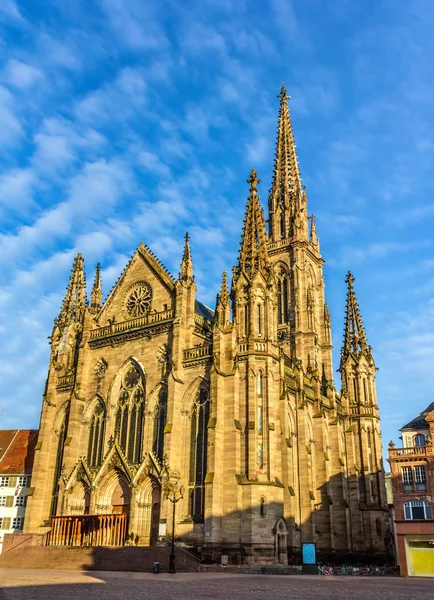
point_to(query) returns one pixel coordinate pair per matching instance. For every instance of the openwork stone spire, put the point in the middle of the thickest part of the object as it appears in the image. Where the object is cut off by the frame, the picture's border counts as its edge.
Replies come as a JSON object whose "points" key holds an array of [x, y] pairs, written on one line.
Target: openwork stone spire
{"points": [[186, 264], [286, 177], [96, 294], [224, 291], [75, 299], [253, 254], [355, 341]]}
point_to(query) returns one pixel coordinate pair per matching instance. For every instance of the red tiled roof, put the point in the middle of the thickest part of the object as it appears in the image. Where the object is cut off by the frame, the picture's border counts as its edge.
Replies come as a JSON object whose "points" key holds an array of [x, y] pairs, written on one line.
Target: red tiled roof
{"points": [[18, 450], [6, 437]]}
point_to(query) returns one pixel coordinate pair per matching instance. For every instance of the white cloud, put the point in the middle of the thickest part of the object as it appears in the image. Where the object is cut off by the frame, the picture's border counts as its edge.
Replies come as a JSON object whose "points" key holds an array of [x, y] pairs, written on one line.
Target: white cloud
{"points": [[11, 130], [152, 163], [21, 75], [135, 24], [10, 10]]}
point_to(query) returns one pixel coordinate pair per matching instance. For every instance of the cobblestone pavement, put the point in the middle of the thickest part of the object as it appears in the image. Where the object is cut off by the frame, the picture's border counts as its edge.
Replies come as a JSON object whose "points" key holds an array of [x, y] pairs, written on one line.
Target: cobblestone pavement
{"points": [[19, 584]]}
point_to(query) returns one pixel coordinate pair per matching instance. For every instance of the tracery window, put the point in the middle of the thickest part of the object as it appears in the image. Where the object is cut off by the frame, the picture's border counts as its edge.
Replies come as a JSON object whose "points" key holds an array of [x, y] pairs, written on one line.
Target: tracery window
{"points": [[130, 415], [282, 298], [159, 424], [198, 455], [96, 436]]}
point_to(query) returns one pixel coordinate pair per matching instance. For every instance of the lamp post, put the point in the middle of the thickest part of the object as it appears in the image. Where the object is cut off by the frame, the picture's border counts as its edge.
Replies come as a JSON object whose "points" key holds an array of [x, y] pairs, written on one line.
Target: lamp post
{"points": [[174, 494]]}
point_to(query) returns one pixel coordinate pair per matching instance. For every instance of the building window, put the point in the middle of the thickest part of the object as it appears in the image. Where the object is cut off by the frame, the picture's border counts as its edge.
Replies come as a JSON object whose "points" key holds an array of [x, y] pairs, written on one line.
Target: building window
{"points": [[282, 298], [23, 481], [262, 510], [130, 415], [96, 436], [4, 481], [419, 440], [259, 419], [260, 456], [417, 510], [198, 455], [5, 523], [2, 500], [17, 522], [259, 320], [20, 500], [407, 479], [160, 424], [260, 383], [420, 478], [282, 225]]}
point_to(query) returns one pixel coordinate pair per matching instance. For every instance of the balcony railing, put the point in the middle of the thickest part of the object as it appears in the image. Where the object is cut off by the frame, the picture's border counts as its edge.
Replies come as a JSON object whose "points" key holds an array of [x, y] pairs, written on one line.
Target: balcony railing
{"points": [[89, 530], [138, 323], [198, 352], [65, 381], [415, 451]]}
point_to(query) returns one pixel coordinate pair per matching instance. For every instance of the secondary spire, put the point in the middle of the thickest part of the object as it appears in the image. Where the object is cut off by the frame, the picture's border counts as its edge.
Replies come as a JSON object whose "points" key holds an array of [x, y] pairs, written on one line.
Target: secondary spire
{"points": [[186, 263], [96, 294], [355, 340], [75, 299], [253, 254]]}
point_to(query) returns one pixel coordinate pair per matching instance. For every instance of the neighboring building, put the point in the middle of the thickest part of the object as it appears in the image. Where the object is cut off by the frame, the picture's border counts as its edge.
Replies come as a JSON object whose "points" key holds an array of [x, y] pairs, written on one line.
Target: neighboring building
{"points": [[17, 448], [412, 469], [238, 405]]}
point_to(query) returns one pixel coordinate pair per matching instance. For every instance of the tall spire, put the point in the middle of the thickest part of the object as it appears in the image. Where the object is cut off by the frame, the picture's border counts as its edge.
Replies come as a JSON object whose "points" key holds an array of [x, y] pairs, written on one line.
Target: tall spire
{"points": [[287, 198], [355, 341], [186, 264], [75, 299], [286, 177], [96, 294], [253, 254]]}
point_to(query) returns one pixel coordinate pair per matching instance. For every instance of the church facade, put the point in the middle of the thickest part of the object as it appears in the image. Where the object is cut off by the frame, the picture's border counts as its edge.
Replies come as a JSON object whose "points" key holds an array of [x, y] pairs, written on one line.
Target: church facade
{"points": [[151, 392]]}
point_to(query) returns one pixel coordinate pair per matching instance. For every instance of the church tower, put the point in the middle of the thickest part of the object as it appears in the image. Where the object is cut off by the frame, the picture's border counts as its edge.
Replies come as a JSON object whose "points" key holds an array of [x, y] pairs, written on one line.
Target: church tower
{"points": [[302, 314], [363, 436]]}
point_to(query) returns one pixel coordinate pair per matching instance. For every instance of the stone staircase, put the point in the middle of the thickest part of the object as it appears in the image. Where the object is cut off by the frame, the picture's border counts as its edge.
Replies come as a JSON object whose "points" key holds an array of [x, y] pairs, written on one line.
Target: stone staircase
{"points": [[272, 569], [101, 558]]}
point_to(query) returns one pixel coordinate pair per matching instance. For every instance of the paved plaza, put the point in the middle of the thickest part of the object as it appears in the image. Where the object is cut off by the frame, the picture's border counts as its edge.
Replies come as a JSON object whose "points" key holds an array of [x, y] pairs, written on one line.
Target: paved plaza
{"points": [[19, 584]]}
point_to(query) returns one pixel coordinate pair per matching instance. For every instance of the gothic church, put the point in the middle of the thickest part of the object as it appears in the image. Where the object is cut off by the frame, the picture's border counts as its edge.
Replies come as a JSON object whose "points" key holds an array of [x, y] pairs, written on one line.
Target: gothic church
{"points": [[152, 391]]}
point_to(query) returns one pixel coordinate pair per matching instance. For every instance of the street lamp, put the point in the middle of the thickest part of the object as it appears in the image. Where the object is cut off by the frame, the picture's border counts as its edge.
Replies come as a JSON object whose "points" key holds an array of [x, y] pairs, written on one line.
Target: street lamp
{"points": [[174, 494]]}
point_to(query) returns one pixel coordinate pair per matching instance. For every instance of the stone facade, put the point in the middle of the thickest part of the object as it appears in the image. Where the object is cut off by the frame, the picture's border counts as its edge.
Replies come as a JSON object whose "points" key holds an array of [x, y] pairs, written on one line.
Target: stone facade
{"points": [[237, 405]]}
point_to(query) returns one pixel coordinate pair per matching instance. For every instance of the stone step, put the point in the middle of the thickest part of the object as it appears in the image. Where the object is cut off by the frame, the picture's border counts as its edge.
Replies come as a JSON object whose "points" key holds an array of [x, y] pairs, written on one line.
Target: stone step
{"points": [[101, 558], [272, 569]]}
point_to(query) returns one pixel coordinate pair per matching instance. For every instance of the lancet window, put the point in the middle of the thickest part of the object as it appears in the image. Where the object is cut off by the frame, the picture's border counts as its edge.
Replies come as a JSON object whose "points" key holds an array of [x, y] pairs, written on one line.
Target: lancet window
{"points": [[198, 455], [130, 414], [59, 461], [159, 424], [96, 436], [282, 298]]}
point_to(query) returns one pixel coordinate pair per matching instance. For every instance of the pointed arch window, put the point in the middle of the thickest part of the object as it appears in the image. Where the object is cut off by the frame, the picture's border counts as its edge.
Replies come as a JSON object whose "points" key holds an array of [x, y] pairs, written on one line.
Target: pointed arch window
{"points": [[198, 455], [59, 461], [282, 225], [282, 298], [96, 436], [130, 412], [160, 424]]}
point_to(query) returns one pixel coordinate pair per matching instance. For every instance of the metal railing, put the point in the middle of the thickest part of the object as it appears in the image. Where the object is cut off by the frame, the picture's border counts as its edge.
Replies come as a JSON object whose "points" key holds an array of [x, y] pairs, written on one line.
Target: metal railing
{"points": [[89, 530]]}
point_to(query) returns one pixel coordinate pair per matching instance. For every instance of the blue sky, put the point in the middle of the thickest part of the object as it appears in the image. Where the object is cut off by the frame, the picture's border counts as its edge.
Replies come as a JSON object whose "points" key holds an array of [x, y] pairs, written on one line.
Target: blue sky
{"points": [[124, 121]]}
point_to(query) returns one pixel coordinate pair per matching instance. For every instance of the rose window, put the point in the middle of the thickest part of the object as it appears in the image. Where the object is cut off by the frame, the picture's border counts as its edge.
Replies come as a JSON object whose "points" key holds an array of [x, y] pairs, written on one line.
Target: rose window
{"points": [[138, 301]]}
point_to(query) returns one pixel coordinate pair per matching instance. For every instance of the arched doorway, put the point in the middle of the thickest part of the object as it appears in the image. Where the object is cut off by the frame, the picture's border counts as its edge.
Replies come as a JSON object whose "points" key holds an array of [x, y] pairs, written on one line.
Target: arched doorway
{"points": [[121, 498], [155, 515], [281, 542]]}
